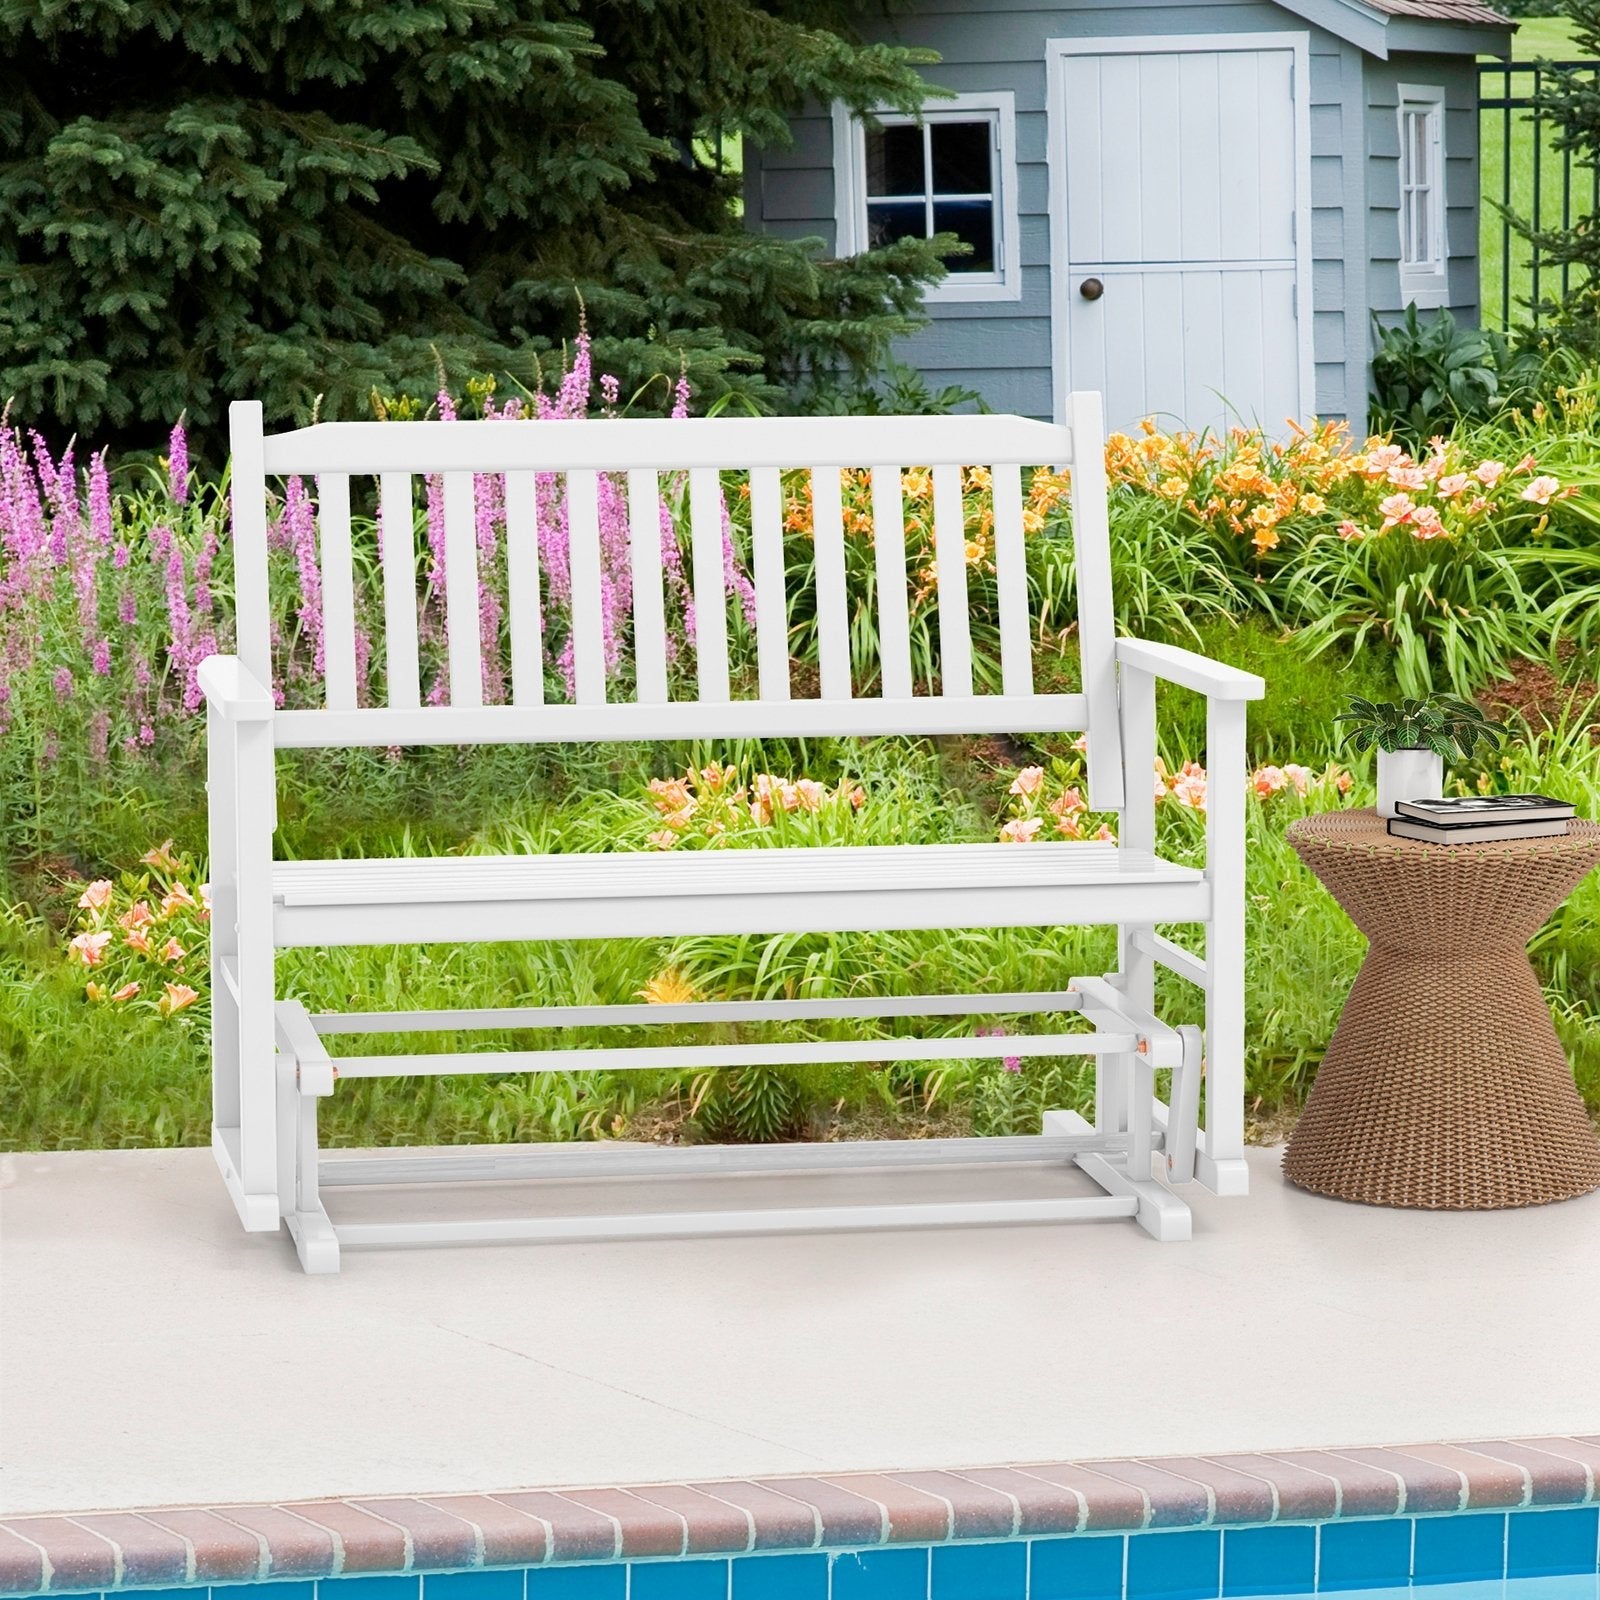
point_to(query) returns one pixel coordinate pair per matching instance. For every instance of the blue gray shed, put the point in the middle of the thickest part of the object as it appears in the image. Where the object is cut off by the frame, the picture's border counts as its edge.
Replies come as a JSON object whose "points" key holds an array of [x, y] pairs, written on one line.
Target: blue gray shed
{"points": [[1190, 207]]}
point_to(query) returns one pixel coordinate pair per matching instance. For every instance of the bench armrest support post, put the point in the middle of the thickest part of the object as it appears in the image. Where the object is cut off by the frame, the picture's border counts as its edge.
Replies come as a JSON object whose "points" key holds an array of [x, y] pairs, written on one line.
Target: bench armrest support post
{"points": [[241, 802], [1227, 690]]}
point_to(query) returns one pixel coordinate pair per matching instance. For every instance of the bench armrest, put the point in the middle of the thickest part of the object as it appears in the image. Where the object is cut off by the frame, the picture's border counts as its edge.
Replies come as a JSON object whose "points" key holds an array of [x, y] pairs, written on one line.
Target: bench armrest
{"points": [[233, 691], [1190, 670]]}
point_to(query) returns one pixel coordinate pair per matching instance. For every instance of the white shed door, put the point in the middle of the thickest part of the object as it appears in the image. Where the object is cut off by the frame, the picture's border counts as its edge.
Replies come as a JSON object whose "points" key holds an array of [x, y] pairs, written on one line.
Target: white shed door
{"points": [[1180, 203]]}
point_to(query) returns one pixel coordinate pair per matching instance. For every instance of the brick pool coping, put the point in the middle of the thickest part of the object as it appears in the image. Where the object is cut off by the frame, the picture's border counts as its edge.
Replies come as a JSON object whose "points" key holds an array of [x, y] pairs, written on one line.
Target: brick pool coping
{"points": [[170, 1546]]}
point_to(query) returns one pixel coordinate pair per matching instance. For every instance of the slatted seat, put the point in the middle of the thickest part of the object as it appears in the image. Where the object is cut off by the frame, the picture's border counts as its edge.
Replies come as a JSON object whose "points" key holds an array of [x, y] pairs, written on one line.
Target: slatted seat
{"points": [[615, 678], [727, 891]]}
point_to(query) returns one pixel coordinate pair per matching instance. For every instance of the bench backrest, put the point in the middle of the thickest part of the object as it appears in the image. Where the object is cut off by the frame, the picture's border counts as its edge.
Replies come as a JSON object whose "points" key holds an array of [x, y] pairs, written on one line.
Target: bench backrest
{"points": [[639, 460]]}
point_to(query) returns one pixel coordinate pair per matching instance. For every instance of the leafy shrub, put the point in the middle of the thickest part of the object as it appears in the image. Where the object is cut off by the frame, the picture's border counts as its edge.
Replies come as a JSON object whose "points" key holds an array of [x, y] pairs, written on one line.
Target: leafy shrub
{"points": [[1429, 376]]}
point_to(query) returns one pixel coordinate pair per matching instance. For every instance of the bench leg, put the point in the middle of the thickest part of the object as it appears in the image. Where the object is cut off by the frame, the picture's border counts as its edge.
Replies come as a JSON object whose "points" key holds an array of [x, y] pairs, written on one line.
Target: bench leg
{"points": [[1220, 1163], [307, 1219], [1161, 1213]]}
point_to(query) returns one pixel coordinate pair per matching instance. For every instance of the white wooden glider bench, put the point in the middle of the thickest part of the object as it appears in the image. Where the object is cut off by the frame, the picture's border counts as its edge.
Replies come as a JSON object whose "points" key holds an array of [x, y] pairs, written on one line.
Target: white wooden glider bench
{"points": [[271, 1063]]}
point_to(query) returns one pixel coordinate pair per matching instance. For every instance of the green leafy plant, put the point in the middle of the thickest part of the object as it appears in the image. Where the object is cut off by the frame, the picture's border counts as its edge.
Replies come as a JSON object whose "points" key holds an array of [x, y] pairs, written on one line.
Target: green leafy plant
{"points": [[1446, 726], [1427, 374]]}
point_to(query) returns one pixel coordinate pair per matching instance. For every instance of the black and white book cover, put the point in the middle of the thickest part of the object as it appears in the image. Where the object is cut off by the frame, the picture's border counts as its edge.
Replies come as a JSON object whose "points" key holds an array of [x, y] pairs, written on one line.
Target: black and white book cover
{"points": [[1479, 810]]}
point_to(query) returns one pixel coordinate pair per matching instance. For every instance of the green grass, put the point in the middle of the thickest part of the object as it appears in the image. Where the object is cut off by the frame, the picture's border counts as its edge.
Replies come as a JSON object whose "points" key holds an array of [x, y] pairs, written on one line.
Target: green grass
{"points": [[1549, 38]]}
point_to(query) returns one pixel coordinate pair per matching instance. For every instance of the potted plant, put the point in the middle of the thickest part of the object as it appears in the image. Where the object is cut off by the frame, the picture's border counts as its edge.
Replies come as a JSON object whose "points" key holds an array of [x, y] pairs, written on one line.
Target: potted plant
{"points": [[1413, 737]]}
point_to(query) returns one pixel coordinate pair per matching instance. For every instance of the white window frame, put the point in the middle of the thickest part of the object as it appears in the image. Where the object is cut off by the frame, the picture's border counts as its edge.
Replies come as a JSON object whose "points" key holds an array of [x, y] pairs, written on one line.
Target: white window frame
{"points": [[999, 107], [1424, 281]]}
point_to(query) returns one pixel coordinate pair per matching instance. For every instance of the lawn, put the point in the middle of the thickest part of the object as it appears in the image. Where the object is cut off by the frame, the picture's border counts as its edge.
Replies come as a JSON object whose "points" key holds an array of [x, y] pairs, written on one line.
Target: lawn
{"points": [[1536, 38], [1296, 560]]}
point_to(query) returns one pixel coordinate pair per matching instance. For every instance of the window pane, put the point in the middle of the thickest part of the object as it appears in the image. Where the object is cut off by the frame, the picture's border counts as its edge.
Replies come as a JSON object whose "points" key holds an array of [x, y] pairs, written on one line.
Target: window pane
{"points": [[961, 157], [972, 221], [1419, 149], [891, 220], [1422, 250], [894, 161]]}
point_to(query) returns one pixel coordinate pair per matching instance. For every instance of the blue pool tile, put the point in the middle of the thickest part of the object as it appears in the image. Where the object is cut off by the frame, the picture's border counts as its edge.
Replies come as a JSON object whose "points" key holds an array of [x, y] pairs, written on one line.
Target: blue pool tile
{"points": [[980, 1571], [1364, 1554], [780, 1577], [1544, 1543], [394, 1587], [605, 1581], [1085, 1568], [678, 1580], [881, 1575], [1088, 1568], [1281, 1560], [504, 1584], [1175, 1566], [270, 1591], [196, 1593], [1459, 1549]]}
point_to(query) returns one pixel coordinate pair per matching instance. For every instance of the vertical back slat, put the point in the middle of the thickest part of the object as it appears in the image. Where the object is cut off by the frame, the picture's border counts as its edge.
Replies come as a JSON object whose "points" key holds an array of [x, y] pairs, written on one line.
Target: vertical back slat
{"points": [[889, 546], [461, 590], [248, 493], [397, 548], [833, 620], [950, 557], [338, 590], [522, 588], [649, 613], [1091, 536], [772, 610], [588, 628], [1011, 576], [710, 594]]}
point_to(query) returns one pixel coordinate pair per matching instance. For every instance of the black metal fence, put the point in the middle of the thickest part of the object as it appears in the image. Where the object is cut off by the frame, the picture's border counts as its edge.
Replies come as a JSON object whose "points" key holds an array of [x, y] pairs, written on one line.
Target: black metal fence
{"points": [[1523, 171]]}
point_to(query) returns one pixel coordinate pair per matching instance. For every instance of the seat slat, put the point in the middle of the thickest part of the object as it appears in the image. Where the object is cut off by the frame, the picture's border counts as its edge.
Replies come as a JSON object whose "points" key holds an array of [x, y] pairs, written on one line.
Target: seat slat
{"points": [[461, 589], [397, 537], [852, 869], [833, 617], [649, 612], [772, 613], [338, 590], [583, 546], [950, 556], [1011, 570], [710, 584], [889, 546], [522, 588]]}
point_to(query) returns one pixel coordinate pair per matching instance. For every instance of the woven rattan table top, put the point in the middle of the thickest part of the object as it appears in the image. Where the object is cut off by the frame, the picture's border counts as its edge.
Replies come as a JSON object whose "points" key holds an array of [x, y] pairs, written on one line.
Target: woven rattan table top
{"points": [[1440, 899], [1365, 831]]}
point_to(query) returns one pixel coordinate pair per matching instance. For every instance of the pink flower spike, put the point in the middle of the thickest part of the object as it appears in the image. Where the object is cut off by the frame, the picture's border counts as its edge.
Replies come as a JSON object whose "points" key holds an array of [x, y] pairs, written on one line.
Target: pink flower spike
{"points": [[178, 464]]}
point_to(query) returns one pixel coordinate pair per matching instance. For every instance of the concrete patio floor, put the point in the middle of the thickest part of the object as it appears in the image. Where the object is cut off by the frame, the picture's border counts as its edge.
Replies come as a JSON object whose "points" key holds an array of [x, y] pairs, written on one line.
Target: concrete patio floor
{"points": [[151, 1353]]}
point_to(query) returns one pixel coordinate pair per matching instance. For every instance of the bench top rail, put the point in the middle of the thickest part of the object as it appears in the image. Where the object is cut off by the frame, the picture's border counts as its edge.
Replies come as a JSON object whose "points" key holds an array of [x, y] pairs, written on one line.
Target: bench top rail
{"points": [[625, 578]]}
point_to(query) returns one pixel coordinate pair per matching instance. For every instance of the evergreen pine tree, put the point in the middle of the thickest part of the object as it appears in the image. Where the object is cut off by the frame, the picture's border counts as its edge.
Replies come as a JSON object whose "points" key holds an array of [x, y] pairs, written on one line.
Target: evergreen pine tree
{"points": [[1570, 101], [306, 200]]}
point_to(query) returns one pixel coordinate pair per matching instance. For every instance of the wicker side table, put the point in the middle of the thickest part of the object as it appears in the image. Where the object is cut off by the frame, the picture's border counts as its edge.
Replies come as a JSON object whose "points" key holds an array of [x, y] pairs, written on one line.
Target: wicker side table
{"points": [[1444, 1085]]}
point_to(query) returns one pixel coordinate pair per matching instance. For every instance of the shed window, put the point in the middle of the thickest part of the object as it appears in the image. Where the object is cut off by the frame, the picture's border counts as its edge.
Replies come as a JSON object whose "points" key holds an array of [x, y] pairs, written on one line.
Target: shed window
{"points": [[1422, 196], [951, 173]]}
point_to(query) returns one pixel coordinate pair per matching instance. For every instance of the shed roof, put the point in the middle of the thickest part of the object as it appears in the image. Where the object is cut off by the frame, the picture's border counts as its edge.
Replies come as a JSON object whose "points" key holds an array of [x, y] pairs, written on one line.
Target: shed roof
{"points": [[1470, 12]]}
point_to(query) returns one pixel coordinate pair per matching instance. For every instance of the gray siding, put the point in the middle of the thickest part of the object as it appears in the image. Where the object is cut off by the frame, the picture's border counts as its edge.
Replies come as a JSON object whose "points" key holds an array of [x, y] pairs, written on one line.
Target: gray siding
{"points": [[1458, 77], [1003, 349]]}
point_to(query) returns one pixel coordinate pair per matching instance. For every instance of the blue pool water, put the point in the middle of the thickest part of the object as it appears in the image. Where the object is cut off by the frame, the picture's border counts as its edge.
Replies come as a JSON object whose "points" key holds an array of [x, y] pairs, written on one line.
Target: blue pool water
{"points": [[1520, 1555]]}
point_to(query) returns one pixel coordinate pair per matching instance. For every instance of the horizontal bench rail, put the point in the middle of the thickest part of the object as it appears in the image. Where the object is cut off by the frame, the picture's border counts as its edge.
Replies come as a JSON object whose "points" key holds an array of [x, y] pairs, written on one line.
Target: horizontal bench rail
{"points": [[381, 726], [371, 448], [720, 1224], [678, 1058], [631, 1158], [695, 1011]]}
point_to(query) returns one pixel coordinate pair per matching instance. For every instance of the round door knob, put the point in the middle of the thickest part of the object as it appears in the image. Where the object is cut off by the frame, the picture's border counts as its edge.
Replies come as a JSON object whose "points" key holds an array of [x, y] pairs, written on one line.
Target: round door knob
{"points": [[1091, 288]]}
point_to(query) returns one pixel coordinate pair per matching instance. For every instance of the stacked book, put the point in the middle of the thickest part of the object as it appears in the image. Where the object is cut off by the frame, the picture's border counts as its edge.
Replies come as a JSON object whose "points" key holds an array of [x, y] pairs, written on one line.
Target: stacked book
{"points": [[1480, 819]]}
